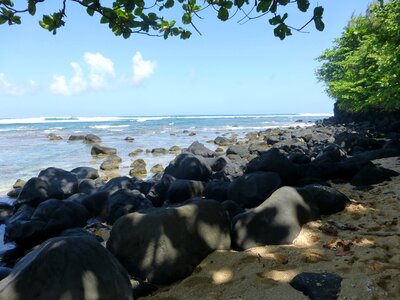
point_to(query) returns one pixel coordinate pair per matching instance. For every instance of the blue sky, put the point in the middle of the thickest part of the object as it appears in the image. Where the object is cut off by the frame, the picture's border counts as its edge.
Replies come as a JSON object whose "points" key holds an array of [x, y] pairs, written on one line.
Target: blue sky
{"points": [[85, 70]]}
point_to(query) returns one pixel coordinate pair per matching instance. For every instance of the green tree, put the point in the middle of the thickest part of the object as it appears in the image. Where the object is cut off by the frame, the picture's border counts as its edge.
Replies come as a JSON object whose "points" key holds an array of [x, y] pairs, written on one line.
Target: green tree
{"points": [[127, 17], [362, 70]]}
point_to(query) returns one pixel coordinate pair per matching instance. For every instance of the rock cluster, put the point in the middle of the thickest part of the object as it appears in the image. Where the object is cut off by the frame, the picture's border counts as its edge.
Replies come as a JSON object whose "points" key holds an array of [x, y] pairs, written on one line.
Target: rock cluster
{"points": [[260, 191]]}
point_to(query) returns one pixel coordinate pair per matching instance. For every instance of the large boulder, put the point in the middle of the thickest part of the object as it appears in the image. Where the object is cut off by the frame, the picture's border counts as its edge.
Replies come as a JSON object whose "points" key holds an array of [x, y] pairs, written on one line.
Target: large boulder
{"points": [[345, 169], [188, 166], [111, 163], [181, 190], [198, 148], [98, 150], [33, 193], [217, 163], [278, 220], [67, 268], [95, 203], [371, 174], [124, 202], [158, 192], [241, 150], [85, 173], [61, 183], [6, 211], [87, 186], [331, 153], [250, 190], [51, 183], [117, 183], [328, 200], [92, 139], [49, 219], [217, 190], [166, 244], [274, 161]]}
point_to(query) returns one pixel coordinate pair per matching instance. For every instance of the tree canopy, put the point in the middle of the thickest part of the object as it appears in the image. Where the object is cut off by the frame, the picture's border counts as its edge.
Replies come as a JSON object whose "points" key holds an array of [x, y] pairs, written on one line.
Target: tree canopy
{"points": [[362, 70], [127, 17]]}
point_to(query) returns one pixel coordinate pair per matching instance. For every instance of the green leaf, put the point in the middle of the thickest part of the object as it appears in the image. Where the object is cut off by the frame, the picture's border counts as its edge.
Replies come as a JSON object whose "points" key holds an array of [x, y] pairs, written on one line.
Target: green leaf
{"points": [[263, 5], [319, 24], [239, 3], [275, 20], [318, 12], [283, 2], [138, 11], [104, 20], [169, 3], [228, 4], [47, 20], [7, 2], [3, 20], [90, 11], [186, 18], [32, 7], [152, 16], [16, 20], [303, 5], [282, 31], [223, 14], [185, 35]]}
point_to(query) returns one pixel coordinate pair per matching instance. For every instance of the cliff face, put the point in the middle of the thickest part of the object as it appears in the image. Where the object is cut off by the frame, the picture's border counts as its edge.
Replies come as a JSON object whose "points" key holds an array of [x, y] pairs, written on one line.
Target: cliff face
{"points": [[384, 120]]}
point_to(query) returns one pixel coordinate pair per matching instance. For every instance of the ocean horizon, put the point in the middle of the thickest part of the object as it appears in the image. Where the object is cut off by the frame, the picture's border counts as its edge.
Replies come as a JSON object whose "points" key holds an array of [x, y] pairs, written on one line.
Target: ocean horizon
{"points": [[25, 149]]}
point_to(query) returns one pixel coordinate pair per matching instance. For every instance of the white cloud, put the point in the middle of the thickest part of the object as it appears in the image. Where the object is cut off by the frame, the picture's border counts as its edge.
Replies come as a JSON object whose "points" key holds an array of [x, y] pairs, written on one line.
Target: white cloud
{"points": [[142, 69], [13, 89], [97, 72], [75, 85], [100, 68]]}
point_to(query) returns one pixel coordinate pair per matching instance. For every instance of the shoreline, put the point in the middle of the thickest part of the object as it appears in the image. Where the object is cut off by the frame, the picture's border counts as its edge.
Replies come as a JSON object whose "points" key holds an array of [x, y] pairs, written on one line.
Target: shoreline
{"points": [[180, 141], [354, 242]]}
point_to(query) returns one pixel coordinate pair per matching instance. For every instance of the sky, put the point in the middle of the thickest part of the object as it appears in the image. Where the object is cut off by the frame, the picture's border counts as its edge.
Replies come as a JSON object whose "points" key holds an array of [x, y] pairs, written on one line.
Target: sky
{"points": [[84, 70]]}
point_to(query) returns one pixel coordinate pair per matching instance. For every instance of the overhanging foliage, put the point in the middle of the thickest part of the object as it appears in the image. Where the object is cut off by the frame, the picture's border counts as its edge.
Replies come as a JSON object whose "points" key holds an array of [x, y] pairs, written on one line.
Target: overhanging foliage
{"points": [[362, 70], [127, 17]]}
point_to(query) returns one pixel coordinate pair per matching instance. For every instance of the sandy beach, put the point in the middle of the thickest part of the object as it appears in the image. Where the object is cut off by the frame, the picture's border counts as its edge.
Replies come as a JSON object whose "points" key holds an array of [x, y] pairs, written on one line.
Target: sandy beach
{"points": [[365, 252]]}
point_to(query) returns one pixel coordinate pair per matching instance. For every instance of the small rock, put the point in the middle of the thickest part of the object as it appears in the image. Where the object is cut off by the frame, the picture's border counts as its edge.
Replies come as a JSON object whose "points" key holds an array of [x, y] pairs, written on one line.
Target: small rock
{"points": [[76, 138], [138, 168], [111, 163], [157, 151], [129, 139], [222, 141], [135, 152], [98, 150], [92, 139], [219, 150], [19, 184], [14, 193], [54, 137], [158, 168], [174, 149], [318, 285]]}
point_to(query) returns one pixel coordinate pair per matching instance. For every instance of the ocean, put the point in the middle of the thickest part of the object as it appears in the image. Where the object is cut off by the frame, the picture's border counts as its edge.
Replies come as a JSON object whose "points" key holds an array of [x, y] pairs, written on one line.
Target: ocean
{"points": [[25, 149]]}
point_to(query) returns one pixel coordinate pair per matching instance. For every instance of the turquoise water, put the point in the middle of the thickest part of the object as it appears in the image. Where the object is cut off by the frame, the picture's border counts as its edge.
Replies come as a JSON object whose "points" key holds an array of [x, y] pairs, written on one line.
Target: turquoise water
{"points": [[25, 148]]}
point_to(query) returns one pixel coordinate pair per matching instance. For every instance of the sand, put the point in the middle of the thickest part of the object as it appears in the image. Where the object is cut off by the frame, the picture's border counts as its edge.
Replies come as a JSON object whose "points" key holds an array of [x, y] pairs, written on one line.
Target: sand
{"points": [[365, 252]]}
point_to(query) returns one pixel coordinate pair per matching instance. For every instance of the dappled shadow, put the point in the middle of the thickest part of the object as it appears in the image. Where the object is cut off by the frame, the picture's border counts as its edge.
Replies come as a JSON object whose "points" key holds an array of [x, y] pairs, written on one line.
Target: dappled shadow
{"points": [[166, 244], [67, 268]]}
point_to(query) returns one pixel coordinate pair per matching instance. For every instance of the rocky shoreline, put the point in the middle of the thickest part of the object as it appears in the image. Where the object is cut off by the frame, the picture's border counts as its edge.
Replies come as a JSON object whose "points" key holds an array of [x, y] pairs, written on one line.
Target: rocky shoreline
{"points": [[254, 199]]}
